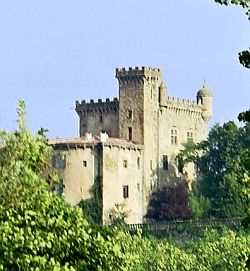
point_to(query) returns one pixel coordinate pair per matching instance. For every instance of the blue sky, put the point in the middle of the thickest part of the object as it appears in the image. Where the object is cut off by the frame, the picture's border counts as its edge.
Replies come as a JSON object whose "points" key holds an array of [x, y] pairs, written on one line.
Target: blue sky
{"points": [[53, 52]]}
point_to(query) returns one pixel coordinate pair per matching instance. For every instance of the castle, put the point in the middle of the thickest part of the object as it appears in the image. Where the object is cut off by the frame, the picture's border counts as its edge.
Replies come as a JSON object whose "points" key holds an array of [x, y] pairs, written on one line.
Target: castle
{"points": [[131, 143]]}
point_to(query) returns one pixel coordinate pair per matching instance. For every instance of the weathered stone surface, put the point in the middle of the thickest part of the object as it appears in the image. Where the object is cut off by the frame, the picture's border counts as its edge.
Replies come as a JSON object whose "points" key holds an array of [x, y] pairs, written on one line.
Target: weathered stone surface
{"points": [[147, 129]]}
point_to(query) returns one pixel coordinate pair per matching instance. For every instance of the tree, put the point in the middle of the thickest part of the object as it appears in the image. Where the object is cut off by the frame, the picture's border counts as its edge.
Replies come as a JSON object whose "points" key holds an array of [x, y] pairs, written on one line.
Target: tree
{"points": [[23, 161], [38, 229], [222, 173], [169, 203], [244, 56]]}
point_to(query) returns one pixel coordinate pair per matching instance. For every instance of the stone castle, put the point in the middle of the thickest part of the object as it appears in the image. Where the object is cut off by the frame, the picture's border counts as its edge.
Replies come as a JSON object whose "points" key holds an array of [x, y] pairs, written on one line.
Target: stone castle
{"points": [[131, 143]]}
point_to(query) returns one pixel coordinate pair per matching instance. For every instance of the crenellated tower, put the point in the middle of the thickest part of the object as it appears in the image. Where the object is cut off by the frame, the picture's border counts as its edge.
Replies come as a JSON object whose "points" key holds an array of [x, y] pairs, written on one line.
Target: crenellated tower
{"points": [[138, 100]]}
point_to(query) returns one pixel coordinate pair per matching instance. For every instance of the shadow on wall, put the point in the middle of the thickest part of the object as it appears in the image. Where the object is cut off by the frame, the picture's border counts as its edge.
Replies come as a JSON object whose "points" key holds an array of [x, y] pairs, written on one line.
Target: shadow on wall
{"points": [[169, 195]]}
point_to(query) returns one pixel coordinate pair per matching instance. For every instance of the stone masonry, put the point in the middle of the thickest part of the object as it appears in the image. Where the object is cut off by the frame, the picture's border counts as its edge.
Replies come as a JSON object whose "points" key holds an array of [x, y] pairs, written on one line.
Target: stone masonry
{"points": [[131, 143]]}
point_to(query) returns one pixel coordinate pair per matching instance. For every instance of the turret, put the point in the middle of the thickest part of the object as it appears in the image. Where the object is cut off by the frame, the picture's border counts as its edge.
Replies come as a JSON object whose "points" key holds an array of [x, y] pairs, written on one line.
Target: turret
{"points": [[204, 97], [162, 93]]}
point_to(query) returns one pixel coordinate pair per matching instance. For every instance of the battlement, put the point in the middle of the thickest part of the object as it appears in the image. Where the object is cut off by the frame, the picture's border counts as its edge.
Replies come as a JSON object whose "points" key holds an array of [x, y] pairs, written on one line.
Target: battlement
{"points": [[181, 101], [136, 72], [99, 104], [182, 104]]}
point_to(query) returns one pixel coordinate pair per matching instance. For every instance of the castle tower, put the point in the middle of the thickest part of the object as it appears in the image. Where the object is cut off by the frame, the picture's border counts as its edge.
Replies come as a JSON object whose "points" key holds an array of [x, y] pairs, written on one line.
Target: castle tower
{"points": [[204, 97], [138, 99], [139, 118]]}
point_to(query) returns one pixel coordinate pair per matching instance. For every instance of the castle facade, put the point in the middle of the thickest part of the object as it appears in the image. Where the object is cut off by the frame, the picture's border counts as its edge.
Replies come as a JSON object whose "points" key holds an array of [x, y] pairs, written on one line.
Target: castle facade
{"points": [[131, 143]]}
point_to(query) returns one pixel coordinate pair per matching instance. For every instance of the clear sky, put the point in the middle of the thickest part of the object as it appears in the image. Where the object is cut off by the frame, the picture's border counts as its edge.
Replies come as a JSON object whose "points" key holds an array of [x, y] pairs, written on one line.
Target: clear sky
{"points": [[53, 52]]}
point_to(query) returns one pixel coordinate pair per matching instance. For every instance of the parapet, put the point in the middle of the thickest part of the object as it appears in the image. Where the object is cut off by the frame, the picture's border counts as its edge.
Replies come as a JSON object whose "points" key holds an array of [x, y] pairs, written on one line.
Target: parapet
{"points": [[98, 105], [182, 104], [144, 72]]}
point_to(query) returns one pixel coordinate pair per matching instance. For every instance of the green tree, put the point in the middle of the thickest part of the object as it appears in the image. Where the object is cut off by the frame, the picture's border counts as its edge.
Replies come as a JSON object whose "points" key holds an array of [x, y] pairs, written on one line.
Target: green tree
{"points": [[23, 161], [38, 230], [222, 173]]}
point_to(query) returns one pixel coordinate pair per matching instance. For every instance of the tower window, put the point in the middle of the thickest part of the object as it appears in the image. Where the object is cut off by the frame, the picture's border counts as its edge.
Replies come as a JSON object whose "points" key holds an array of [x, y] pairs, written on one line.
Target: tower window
{"points": [[84, 163], [138, 163], [190, 135], [101, 118], [130, 133], [125, 163], [174, 138], [130, 114], [125, 192], [165, 162]]}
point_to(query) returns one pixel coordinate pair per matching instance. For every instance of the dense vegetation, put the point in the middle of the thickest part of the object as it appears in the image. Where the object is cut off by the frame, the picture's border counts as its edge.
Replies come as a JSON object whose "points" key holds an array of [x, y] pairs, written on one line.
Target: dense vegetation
{"points": [[222, 188]]}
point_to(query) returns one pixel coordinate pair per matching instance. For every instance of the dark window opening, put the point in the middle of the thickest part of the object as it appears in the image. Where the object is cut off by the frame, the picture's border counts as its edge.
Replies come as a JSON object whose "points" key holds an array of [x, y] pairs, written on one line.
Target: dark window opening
{"points": [[101, 118], [125, 163], [151, 164], [165, 162], [130, 114], [138, 163], [125, 192], [84, 163], [129, 133]]}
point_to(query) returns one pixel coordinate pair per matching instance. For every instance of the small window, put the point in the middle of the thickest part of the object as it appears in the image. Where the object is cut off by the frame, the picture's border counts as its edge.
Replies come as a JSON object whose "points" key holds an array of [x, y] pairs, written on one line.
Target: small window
{"points": [[84, 163], [138, 163], [165, 162], [138, 187], [190, 135], [130, 114], [174, 138], [129, 133], [125, 192], [125, 163], [101, 118]]}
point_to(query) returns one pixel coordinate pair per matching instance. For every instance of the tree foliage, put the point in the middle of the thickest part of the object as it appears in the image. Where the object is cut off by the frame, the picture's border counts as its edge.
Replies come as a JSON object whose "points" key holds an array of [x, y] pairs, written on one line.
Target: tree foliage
{"points": [[23, 160], [169, 203], [223, 172], [38, 230]]}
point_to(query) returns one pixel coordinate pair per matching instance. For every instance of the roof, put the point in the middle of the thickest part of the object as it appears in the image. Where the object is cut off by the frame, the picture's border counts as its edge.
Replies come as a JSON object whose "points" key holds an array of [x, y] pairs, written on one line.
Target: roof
{"points": [[204, 92], [80, 141]]}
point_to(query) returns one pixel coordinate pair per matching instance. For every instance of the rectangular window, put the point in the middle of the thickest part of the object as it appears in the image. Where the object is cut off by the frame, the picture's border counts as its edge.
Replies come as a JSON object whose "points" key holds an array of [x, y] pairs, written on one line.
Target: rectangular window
{"points": [[190, 135], [130, 114], [84, 163], [129, 133], [101, 118], [125, 192], [174, 139], [151, 164], [125, 163], [165, 162], [138, 163]]}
